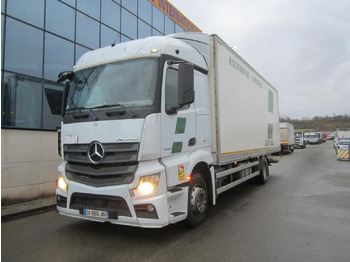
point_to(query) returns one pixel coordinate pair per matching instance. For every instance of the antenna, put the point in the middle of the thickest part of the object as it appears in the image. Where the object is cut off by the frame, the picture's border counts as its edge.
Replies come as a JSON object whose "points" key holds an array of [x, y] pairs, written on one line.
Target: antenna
{"points": [[113, 44]]}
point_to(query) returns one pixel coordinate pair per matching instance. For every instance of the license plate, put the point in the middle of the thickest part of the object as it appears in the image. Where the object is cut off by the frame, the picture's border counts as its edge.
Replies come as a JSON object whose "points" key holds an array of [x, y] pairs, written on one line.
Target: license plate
{"points": [[95, 213]]}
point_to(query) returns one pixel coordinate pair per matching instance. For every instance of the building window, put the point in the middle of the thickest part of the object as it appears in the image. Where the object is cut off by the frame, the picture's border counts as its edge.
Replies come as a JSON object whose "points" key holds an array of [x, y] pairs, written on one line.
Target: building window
{"points": [[2, 39], [87, 31], [169, 26], [69, 2], [24, 48], [144, 30], [60, 19], [156, 33], [131, 5], [54, 64], [145, 11], [129, 24], [109, 36], [31, 11], [123, 39], [41, 38], [158, 19], [79, 51], [111, 14], [21, 106], [3, 6], [178, 29], [90, 7]]}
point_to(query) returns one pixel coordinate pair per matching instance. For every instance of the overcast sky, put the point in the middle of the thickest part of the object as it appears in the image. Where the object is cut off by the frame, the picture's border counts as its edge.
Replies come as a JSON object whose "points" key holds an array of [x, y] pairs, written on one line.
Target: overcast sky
{"points": [[302, 47]]}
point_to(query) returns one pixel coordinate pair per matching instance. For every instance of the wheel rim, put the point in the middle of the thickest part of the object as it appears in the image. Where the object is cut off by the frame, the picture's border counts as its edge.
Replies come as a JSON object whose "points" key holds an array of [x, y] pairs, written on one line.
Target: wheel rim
{"points": [[198, 199]]}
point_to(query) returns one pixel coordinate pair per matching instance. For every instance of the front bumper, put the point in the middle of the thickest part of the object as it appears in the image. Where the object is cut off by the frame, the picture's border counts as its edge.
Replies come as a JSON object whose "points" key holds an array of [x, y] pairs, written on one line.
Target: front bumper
{"points": [[117, 201]]}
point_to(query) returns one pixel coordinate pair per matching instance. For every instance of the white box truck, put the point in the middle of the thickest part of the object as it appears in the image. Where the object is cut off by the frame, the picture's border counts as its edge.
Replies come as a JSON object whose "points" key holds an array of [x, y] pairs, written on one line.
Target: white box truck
{"points": [[314, 138], [287, 137], [299, 139], [155, 129], [339, 136]]}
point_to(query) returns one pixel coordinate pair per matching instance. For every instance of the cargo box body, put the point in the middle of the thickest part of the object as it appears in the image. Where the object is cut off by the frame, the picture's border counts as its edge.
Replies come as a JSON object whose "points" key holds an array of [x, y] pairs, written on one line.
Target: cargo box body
{"points": [[287, 133], [244, 108]]}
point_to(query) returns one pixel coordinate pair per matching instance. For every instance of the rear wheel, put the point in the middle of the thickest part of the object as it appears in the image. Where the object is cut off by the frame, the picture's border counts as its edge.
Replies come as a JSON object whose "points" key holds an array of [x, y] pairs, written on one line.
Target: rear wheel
{"points": [[197, 200], [263, 172]]}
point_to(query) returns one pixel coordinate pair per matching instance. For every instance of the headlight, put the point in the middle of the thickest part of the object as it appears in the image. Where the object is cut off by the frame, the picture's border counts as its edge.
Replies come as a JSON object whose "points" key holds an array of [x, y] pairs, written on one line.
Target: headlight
{"points": [[147, 185], [61, 183]]}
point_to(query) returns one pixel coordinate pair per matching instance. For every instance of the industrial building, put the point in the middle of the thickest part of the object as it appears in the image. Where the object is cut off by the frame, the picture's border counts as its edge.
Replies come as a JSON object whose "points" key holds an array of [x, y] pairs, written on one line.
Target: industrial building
{"points": [[39, 39]]}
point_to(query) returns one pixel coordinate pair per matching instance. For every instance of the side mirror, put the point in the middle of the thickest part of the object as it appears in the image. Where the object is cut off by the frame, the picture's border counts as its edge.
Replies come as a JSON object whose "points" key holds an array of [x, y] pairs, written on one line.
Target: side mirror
{"points": [[185, 95], [63, 76], [66, 75]]}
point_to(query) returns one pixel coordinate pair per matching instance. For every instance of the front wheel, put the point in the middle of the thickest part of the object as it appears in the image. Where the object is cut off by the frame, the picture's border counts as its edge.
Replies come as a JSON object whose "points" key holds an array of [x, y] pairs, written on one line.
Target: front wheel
{"points": [[197, 200]]}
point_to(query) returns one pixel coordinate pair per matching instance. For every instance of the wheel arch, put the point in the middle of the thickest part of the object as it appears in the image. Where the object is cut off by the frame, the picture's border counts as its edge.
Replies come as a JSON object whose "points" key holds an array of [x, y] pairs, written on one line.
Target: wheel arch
{"points": [[203, 169], [200, 163]]}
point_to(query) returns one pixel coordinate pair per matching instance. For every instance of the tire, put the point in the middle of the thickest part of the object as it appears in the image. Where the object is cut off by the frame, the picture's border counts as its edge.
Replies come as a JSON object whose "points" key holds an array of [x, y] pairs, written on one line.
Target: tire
{"points": [[197, 201], [263, 172]]}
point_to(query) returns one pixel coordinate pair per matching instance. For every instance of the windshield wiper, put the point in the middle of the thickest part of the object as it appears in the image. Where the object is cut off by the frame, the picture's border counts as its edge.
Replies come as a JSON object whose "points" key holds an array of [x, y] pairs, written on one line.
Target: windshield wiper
{"points": [[84, 108], [115, 105]]}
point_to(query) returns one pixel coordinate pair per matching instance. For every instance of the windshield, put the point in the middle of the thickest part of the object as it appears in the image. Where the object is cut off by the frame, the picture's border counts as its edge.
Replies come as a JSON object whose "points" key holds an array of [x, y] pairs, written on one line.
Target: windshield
{"points": [[130, 83]]}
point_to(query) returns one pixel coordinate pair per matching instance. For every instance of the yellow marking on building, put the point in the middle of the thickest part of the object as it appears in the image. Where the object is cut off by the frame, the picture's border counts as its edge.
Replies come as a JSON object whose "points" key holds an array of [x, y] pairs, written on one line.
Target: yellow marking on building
{"points": [[171, 11]]}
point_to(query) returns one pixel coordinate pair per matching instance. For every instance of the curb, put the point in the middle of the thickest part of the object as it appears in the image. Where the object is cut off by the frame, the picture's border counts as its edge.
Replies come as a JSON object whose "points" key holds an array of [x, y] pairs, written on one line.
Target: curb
{"points": [[22, 209]]}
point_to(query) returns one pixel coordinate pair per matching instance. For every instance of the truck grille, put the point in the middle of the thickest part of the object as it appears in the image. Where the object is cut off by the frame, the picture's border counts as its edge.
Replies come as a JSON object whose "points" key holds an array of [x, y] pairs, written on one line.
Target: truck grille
{"points": [[117, 167]]}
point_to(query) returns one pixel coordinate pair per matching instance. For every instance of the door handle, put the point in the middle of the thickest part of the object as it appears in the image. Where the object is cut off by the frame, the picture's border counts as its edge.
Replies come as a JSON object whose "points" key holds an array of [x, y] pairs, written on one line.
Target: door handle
{"points": [[192, 141]]}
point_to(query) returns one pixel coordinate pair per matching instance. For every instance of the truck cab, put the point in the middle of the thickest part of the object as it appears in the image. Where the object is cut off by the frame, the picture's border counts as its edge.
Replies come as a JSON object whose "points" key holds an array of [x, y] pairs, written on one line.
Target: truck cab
{"points": [[299, 139]]}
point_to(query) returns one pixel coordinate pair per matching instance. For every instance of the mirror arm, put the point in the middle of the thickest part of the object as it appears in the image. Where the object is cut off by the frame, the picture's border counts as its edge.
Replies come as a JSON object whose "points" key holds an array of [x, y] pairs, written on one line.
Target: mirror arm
{"points": [[65, 98]]}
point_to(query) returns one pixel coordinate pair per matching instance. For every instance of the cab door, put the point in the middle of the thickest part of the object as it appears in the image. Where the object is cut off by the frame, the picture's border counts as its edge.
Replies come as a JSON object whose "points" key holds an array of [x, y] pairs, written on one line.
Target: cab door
{"points": [[178, 127]]}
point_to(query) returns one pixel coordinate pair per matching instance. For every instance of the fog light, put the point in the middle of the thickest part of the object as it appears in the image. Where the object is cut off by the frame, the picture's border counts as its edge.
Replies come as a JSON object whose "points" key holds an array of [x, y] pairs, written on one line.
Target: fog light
{"points": [[61, 183], [150, 208], [147, 185]]}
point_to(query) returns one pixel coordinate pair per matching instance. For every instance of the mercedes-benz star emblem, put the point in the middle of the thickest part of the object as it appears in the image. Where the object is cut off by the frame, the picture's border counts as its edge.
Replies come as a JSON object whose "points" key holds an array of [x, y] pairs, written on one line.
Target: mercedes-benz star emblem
{"points": [[96, 152]]}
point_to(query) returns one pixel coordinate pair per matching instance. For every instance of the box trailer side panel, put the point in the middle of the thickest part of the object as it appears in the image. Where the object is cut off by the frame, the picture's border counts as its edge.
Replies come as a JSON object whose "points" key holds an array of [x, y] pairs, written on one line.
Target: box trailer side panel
{"points": [[245, 118]]}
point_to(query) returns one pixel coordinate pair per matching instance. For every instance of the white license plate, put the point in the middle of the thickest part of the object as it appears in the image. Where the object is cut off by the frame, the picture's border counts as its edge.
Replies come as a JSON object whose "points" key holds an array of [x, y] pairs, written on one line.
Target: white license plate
{"points": [[95, 213]]}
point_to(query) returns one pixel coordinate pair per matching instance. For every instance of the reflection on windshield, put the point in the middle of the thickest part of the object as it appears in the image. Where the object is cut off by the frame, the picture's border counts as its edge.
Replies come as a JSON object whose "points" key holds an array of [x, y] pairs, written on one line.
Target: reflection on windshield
{"points": [[129, 83]]}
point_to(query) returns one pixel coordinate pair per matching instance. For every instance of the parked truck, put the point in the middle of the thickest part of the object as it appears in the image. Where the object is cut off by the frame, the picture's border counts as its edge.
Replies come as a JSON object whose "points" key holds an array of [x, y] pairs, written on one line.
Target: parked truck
{"points": [[155, 129], [299, 139], [340, 136], [314, 138], [287, 137]]}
